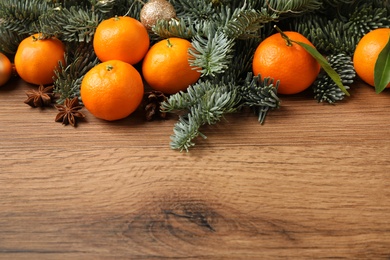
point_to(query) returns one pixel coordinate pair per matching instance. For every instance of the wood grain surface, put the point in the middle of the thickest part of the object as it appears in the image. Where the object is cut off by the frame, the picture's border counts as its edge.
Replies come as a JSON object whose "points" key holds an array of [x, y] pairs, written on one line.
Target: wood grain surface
{"points": [[313, 182]]}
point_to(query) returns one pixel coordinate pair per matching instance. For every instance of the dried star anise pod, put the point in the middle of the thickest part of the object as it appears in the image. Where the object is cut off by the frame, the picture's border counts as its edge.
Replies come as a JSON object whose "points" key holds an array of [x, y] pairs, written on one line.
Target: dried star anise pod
{"points": [[69, 112], [152, 104], [41, 97]]}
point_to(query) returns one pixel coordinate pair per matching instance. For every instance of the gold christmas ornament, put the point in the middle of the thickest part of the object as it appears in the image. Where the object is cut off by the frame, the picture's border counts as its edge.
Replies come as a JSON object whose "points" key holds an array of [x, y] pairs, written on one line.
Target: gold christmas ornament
{"points": [[155, 10]]}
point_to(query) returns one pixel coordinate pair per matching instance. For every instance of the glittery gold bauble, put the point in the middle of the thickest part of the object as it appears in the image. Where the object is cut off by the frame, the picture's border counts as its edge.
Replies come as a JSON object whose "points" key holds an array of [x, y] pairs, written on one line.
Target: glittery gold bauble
{"points": [[155, 10]]}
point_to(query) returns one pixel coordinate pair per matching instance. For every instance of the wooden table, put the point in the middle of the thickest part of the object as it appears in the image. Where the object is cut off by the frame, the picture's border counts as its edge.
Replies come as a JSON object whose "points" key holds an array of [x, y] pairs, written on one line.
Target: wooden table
{"points": [[312, 182]]}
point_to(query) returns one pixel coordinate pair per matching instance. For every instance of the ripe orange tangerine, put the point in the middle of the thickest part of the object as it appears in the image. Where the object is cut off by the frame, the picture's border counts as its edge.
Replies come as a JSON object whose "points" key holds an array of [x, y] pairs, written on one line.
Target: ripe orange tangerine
{"points": [[166, 67], [121, 38], [112, 90], [292, 65], [367, 52], [36, 59], [5, 69]]}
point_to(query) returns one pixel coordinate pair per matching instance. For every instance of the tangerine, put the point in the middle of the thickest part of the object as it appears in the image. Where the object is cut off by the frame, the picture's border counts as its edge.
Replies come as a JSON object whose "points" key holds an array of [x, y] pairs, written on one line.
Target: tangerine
{"points": [[290, 63], [112, 90], [5, 69], [121, 38], [367, 52], [166, 67], [37, 58]]}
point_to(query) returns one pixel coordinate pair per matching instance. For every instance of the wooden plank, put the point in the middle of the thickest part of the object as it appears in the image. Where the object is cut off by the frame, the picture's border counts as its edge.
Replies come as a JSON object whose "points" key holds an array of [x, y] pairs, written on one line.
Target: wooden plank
{"points": [[312, 182]]}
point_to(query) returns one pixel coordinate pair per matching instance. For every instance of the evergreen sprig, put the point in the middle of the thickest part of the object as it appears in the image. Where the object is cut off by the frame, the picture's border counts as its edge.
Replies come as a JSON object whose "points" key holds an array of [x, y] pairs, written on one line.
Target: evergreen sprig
{"points": [[201, 9], [204, 103], [260, 95], [182, 28], [9, 41], [247, 24], [67, 3], [21, 16], [71, 25], [325, 90], [293, 7], [336, 3], [366, 18], [212, 55], [79, 60], [104, 7], [185, 131], [242, 61], [341, 34], [328, 36]]}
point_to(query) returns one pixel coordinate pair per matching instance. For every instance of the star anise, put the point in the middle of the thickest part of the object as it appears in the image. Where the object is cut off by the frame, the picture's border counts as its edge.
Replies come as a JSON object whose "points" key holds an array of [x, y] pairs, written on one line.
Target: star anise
{"points": [[69, 112], [41, 97], [152, 105]]}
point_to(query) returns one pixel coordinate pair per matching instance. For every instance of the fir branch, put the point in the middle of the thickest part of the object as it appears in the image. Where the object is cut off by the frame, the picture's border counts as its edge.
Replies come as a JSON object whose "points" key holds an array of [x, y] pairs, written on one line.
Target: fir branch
{"points": [[71, 25], [240, 22], [247, 23], [182, 28], [293, 7], [328, 36], [67, 3], [184, 100], [185, 131], [366, 18], [213, 54], [102, 6], [9, 41], [260, 95], [195, 10], [252, 4], [205, 103], [215, 104], [234, 4], [336, 3], [342, 9], [325, 90], [21, 16], [337, 35], [80, 59], [241, 63]]}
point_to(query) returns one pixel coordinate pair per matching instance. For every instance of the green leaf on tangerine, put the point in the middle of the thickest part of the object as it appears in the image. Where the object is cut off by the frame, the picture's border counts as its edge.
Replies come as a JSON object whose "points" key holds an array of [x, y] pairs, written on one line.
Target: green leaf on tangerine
{"points": [[382, 69], [324, 64]]}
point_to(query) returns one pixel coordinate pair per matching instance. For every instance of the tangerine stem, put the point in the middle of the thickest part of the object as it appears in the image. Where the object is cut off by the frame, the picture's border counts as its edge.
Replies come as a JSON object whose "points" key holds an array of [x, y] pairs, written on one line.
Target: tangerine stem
{"points": [[169, 43], [40, 37], [109, 67], [284, 36]]}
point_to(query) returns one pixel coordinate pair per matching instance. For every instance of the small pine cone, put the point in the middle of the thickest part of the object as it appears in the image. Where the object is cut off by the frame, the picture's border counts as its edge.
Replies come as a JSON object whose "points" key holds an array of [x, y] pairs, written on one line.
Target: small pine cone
{"points": [[324, 87], [152, 105]]}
